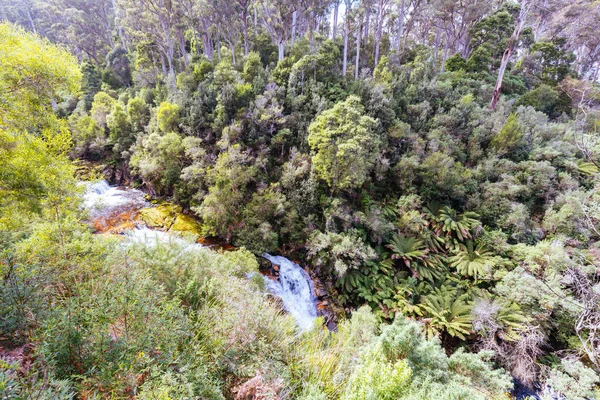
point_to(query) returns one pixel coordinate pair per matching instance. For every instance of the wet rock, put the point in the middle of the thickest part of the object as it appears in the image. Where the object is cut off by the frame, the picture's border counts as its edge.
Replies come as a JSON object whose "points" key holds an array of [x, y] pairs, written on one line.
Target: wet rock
{"points": [[186, 224], [160, 217], [320, 290]]}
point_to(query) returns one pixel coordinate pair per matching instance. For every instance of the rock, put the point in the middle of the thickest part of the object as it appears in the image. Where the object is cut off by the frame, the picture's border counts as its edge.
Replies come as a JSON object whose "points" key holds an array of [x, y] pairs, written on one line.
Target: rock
{"points": [[275, 267], [186, 224], [161, 217], [320, 290]]}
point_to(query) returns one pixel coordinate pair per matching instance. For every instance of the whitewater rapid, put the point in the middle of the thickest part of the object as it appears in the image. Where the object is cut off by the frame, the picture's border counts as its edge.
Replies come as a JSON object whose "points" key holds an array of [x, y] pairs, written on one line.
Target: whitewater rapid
{"points": [[295, 290]]}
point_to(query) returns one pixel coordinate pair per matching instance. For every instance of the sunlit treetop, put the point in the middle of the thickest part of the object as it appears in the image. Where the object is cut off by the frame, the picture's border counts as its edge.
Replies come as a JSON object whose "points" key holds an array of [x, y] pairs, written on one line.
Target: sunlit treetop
{"points": [[33, 74]]}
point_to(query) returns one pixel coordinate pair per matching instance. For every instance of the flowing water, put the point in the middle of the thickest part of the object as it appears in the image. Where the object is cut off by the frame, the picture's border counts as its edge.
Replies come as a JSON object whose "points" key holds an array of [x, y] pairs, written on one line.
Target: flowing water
{"points": [[295, 290], [111, 206]]}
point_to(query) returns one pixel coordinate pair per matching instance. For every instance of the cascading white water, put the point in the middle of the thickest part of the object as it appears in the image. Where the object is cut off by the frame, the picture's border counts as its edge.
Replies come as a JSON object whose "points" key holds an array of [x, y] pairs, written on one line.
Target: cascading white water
{"points": [[295, 290], [101, 198]]}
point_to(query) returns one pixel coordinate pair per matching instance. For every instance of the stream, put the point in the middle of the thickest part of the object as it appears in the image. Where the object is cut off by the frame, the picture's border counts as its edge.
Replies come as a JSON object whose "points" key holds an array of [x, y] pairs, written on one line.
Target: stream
{"points": [[112, 207]]}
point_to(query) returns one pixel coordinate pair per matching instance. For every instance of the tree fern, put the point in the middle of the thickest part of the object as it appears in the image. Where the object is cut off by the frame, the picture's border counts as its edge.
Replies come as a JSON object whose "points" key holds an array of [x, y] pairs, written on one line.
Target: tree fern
{"points": [[446, 311], [472, 261]]}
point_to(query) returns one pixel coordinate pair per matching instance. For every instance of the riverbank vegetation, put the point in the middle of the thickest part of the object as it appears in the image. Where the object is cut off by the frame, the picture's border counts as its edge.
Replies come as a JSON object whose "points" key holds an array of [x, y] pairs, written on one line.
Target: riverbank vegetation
{"points": [[441, 178]]}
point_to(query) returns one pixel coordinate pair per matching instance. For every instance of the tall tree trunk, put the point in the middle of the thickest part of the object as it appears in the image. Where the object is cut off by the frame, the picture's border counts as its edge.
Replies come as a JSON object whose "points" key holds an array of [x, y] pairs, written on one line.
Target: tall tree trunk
{"points": [[346, 34], [358, 37], [281, 49], [379, 32], [445, 54], [311, 37], [163, 65], [401, 25], [510, 48], [367, 21], [294, 22], [255, 21], [118, 23], [233, 59], [29, 17], [219, 44], [208, 48], [336, 8], [245, 22], [436, 48], [184, 54]]}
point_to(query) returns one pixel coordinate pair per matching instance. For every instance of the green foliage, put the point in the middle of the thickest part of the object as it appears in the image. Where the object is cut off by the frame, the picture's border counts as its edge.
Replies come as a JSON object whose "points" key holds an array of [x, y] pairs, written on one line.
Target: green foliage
{"points": [[344, 144], [447, 311], [476, 262], [33, 72], [509, 141], [158, 161], [167, 116], [121, 132], [544, 99], [228, 193], [101, 108], [456, 63], [377, 378]]}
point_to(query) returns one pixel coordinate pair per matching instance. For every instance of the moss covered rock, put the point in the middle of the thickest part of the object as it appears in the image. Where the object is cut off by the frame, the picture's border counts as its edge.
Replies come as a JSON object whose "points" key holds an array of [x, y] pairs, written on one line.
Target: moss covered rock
{"points": [[169, 217], [186, 224], [161, 217]]}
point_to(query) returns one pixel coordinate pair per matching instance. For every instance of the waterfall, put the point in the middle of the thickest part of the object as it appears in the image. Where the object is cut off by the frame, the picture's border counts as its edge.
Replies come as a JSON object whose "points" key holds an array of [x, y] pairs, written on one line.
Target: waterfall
{"points": [[295, 289], [101, 199]]}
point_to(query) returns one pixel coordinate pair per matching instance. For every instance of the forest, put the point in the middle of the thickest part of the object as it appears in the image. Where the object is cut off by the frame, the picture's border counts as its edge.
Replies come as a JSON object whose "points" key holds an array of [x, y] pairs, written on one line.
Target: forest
{"points": [[433, 164]]}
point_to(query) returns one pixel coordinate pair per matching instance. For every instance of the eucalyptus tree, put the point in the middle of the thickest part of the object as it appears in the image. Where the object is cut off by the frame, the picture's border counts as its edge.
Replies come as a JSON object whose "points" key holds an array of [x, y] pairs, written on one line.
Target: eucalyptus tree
{"points": [[457, 18], [577, 22], [526, 6], [277, 19], [157, 21]]}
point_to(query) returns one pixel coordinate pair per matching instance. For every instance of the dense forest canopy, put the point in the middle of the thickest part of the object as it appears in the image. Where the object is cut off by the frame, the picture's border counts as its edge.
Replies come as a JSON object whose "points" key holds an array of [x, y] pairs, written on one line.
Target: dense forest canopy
{"points": [[435, 163]]}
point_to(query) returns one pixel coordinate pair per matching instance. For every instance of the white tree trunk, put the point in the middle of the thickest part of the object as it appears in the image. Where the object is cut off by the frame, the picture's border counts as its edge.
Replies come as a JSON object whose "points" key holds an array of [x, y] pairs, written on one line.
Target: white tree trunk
{"points": [[294, 21], [281, 50], [346, 34], [335, 18], [510, 48], [357, 66]]}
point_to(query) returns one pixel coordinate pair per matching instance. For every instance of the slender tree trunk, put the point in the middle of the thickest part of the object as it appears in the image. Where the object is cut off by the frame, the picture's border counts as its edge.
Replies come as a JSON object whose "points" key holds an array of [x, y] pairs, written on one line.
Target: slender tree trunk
{"points": [[401, 25], [294, 21], [208, 49], [336, 8], [219, 43], [245, 22], [255, 21], [184, 53], [311, 38], [379, 32], [196, 47], [118, 23], [281, 49], [445, 54], [233, 59], [164, 65], [346, 34], [367, 21], [358, 37], [29, 17], [510, 48], [436, 48]]}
